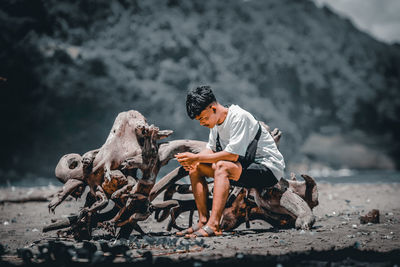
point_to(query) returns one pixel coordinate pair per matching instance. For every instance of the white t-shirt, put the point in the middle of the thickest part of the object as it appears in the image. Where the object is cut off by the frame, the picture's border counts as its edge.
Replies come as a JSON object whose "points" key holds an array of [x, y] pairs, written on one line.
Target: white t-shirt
{"points": [[238, 130]]}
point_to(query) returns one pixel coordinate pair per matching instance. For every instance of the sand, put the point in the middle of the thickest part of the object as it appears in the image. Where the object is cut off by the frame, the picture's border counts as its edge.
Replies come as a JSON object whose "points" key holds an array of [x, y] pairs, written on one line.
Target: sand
{"points": [[337, 226]]}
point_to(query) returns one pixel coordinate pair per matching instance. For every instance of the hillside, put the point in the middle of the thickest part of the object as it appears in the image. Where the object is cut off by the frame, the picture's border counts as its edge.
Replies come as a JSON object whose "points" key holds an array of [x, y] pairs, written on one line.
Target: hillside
{"points": [[71, 66]]}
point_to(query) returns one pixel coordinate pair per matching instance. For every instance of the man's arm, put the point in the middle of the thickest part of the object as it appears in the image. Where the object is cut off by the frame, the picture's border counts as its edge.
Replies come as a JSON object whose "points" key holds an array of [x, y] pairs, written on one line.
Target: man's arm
{"points": [[187, 159], [215, 157]]}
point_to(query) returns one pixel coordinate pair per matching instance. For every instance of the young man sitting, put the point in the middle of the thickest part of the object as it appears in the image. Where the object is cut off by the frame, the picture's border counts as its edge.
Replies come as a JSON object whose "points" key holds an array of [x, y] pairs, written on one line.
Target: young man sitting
{"points": [[239, 151]]}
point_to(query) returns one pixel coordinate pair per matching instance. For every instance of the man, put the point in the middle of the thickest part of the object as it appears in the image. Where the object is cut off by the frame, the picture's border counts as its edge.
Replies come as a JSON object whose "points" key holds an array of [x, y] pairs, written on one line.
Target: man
{"points": [[239, 151]]}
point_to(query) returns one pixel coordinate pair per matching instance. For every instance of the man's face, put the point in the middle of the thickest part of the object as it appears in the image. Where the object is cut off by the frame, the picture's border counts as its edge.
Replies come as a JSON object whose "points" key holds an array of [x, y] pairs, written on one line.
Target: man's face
{"points": [[208, 117]]}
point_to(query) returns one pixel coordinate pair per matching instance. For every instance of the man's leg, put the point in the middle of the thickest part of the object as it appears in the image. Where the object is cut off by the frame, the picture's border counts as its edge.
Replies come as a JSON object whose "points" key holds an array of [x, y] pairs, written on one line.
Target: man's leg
{"points": [[200, 193], [223, 171], [200, 189]]}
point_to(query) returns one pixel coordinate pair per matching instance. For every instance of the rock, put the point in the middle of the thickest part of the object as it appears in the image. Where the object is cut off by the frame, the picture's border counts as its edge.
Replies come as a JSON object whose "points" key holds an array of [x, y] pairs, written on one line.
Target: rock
{"points": [[239, 256], [87, 250], [25, 254], [370, 217]]}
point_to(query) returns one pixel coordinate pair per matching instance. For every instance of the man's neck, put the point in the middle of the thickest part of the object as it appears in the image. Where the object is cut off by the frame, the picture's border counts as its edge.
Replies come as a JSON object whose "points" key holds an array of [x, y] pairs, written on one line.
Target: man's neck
{"points": [[223, 111]]}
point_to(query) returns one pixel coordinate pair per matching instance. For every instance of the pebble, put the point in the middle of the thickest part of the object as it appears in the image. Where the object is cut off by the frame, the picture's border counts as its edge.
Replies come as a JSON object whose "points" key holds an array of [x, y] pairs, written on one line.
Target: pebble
{"points": [[239, 256], [6, 223], [354, 226], [302, 232], [35, 230], [351, 236]]}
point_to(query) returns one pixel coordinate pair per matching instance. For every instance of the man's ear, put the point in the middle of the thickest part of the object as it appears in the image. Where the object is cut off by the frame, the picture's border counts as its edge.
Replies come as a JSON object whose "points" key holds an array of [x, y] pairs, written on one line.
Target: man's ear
{"points": [[214, 108]]}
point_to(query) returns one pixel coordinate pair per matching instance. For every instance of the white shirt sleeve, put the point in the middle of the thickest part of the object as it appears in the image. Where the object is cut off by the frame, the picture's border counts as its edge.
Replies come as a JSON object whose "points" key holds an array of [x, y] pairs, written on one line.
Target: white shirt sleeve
{"points": [[212, 141], [239, 138]]}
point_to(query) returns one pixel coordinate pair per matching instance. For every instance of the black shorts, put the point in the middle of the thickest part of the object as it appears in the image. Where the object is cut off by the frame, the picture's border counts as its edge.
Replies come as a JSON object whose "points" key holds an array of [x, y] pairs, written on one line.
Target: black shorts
{"points": [[255, 175]]}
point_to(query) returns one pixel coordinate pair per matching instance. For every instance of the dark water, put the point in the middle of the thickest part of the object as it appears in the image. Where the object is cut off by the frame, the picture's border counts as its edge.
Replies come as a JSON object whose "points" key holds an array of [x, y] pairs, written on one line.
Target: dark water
{"points": [[339, 176]]}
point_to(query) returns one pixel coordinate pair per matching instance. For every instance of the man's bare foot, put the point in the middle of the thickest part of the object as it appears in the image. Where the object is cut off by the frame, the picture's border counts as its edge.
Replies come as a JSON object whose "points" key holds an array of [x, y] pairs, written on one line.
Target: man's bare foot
{"points": [[205, 231], [190, 230]]}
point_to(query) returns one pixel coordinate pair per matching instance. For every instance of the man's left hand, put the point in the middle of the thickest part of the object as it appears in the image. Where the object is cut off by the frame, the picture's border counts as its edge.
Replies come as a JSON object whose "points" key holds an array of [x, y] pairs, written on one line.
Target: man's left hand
{"points": [[187, 160]]}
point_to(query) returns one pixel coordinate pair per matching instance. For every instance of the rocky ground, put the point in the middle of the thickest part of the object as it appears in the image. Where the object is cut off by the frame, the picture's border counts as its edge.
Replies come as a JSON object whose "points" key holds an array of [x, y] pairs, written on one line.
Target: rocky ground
{"points": [[337, 229]]}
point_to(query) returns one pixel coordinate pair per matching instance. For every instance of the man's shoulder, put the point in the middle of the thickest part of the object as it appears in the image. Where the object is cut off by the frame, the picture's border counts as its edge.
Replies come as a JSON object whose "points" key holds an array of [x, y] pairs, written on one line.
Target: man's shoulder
{"points": [[240, 114]]}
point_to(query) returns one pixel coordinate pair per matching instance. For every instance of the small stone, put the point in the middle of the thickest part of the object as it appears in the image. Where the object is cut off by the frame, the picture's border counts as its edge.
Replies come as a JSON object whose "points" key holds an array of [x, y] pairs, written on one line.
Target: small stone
{"points": [[351, 236], [354, 226], [370, 217], [302, 232], [35, 230], [6, 223], [390, 213], [239, 256]]}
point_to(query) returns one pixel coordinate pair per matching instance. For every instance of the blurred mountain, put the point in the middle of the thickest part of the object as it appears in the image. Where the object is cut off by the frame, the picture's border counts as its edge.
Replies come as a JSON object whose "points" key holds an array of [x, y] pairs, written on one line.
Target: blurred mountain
{"points": [[68, 67]]}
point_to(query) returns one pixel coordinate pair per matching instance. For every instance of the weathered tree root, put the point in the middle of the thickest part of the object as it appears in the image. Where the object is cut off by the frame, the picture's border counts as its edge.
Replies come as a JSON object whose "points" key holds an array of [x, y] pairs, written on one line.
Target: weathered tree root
{"points": [[111, 173]]}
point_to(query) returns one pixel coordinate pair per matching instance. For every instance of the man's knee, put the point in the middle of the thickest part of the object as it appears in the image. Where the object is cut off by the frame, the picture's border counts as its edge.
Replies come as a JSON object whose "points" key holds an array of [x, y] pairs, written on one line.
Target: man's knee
{"points": [[199, 170], [225, 168], [221, 166]]}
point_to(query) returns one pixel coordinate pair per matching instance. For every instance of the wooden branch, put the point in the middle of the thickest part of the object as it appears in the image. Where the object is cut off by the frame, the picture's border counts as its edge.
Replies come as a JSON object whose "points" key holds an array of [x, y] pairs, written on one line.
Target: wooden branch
{"points": [[69, 167], [167, 151], [166, 181]]}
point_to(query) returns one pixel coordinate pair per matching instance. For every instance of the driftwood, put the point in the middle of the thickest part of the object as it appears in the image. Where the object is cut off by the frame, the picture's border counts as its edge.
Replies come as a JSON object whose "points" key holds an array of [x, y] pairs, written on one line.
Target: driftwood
{"points": [[112, 172]]}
